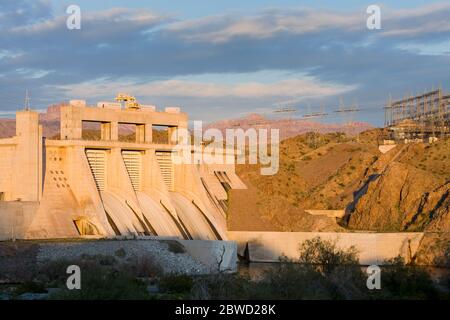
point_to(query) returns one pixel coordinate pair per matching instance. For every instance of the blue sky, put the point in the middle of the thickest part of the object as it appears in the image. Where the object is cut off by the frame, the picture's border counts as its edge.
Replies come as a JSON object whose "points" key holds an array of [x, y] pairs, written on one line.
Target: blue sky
{"points": [[224, 59]]}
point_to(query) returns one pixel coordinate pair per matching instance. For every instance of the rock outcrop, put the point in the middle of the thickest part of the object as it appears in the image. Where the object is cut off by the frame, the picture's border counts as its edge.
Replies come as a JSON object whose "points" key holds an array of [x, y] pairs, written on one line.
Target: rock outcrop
{"points": [[434, 250], [400, 199], [433, 211]]}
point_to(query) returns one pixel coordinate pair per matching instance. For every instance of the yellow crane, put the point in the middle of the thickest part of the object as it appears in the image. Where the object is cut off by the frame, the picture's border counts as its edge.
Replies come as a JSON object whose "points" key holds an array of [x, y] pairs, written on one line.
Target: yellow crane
{"points": [[129, 101]]}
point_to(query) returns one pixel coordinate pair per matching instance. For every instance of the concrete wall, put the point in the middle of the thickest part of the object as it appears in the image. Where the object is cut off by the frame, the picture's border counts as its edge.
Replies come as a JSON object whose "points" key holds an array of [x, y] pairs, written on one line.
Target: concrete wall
{"points": [[386, 148], [119, 184], [327, 213], [85, 190], [73, 116], [154, 192], [373, 248], [28, 157], [21, 160], [7, 152], [21, 175], [189, 185], [218, 256], [68, 195], [15, 217]]}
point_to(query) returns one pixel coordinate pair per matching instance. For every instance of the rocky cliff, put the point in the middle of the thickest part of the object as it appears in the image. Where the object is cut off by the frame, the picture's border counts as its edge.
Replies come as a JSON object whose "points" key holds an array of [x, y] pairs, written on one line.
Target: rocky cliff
{"points": [[411, 193], [401, 198]]}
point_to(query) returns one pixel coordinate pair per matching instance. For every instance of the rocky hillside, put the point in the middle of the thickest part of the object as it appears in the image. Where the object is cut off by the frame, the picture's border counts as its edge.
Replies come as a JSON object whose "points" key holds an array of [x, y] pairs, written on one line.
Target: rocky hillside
{"points": [[410, 194], [406, 189], [316, 172]]}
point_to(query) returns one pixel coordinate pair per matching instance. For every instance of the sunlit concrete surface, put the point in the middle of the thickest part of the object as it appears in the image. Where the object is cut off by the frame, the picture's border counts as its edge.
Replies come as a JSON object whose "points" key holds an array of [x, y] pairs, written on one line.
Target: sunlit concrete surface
{"points": [[73, 187], [373, 248], [218, 256]]}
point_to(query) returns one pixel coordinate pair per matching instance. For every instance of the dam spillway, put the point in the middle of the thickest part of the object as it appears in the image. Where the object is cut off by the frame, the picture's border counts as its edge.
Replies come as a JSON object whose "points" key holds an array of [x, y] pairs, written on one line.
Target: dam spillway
{"points": [[76, 187]]}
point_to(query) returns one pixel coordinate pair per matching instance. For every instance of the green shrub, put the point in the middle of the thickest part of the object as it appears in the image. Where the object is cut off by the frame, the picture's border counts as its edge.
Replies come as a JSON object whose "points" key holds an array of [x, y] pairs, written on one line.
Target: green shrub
{"points": [[289, 281], [324, 255], [323, 270]]}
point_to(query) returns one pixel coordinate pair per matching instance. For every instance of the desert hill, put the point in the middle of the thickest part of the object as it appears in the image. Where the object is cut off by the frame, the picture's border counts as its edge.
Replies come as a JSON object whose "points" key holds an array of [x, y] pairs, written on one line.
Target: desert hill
{"points": [[406, 189], [317, 171], [411, 194]]}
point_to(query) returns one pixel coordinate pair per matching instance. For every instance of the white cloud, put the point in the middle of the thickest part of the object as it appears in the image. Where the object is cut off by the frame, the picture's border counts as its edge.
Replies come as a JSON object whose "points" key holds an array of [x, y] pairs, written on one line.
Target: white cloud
{"points": [[396, 22], [6, 54], [411, 22], [223, 28], [33, 73], [431, 49], [127, 18], [304, 87], [419, 11], [266, 24], [432, 26]]}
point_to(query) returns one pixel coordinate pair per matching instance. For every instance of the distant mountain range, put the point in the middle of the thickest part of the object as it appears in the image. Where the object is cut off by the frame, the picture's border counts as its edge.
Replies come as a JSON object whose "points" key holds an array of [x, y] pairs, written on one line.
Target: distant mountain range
{"points": [[288, 127]]}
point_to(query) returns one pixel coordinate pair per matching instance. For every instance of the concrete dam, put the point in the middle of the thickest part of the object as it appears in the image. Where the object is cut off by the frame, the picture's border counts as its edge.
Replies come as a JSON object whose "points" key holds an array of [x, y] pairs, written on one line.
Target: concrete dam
{"points": [[76, 187], [79, 186]]}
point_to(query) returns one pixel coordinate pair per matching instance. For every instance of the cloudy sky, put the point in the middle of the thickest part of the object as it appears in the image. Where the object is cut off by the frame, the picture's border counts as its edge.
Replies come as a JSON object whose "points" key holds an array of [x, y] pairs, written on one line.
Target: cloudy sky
{"points": [[223, 59]]}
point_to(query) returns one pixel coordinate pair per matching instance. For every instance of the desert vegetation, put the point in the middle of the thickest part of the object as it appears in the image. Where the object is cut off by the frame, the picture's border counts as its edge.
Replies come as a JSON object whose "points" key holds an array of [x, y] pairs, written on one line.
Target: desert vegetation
{"points": [[322, 271]]}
